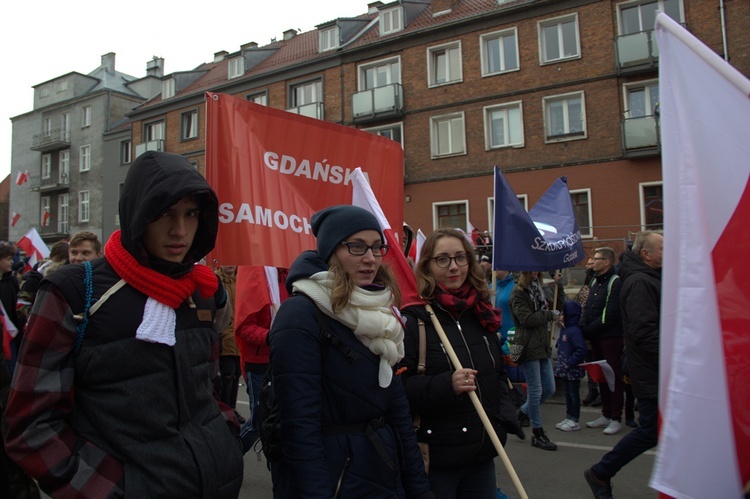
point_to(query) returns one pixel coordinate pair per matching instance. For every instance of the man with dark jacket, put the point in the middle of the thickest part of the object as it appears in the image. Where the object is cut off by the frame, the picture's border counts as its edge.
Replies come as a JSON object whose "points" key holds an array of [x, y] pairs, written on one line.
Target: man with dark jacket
{"points": [[123, 406], [602, 326], [640, 301]]}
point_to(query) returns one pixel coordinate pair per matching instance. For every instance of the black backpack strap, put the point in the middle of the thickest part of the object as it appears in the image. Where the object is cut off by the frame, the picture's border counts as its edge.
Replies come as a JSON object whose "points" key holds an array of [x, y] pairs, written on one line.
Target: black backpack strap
{"points": [[326, 336]]}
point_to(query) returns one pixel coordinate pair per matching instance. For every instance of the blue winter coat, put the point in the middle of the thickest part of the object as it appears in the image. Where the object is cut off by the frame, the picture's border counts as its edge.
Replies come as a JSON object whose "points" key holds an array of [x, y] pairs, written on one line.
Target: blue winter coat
{"points": [[571, 346], [327, 395]]}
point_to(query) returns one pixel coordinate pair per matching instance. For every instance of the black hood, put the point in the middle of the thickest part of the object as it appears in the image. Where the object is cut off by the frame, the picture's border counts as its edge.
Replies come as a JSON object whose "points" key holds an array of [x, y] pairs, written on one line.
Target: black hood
{"points": [[631, 264], [156, 181], [305, 265]]}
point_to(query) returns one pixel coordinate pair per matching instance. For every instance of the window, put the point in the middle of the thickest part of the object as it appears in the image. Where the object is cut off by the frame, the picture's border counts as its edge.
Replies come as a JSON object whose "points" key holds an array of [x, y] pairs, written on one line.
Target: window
{"points": [[84, 206], [639, 16], [47, 126], [444, 64], [189, 125], [62, 213], [62, 86], [259, 98], [558, 39], [641, 99], [391, 20], [65, 125], [393, 132], [167, 88], [499, 52], [503, 125], [84, 160], [46, 165], [522, 198], [44, 212], [379, 74], [450, 215], [236, 67], [43, 92], [447, 135], [328, 39], [565, 117], [652, 206], [126, 152], [154, 131], [64, 166], [307, 93], [582, 210], [86, 116]]}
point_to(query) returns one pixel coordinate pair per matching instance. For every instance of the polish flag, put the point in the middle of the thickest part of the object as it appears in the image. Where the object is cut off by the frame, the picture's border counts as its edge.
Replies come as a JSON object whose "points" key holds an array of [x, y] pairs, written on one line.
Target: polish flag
{"points": [[22, 177], [363, 197], [15, 217], [600, 372], [704, 394], [34, 247], [45, 218], [473, 233], [419, 242]]}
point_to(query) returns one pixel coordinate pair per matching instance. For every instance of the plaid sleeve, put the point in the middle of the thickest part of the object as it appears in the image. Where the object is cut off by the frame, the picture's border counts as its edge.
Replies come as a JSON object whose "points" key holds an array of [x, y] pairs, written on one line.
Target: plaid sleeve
{"points": [[38, 436]]}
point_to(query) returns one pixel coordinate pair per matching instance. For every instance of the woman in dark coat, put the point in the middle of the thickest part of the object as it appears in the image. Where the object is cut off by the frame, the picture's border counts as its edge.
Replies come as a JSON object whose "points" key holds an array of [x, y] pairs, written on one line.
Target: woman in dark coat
{"points": [[346, 431], [461, 452]]}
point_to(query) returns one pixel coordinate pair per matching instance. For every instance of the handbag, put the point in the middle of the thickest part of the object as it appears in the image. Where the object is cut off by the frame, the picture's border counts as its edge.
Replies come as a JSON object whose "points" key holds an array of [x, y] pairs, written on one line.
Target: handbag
{"points": [[518, 352], [424, 447]]}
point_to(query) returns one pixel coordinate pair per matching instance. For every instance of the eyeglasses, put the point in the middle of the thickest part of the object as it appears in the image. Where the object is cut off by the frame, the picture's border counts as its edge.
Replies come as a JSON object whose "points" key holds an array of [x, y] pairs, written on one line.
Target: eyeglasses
{"points": [[359, 249], [445, 261]]}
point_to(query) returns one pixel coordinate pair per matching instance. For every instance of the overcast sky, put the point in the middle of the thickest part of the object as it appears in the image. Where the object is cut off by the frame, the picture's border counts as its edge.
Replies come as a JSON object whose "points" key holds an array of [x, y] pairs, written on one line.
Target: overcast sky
{"points": [[43, 39]]}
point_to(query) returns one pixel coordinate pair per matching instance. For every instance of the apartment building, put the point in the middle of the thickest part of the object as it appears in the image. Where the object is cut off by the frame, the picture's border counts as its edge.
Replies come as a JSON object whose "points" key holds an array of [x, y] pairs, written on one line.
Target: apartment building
{"points": [[60, 144], [540, 88]]}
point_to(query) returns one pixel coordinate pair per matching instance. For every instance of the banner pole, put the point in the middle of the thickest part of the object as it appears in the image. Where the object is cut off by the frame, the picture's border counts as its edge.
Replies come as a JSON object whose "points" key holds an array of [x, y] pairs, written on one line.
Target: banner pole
{"points": [[478, 406]]}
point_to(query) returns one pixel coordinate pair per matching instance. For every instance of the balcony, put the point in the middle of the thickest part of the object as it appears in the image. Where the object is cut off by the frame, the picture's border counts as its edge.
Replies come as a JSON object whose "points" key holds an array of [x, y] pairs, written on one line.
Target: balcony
{"points": [[375, 103], [51, 184], [51, 140], [640, 136], [636, 52], [151, 145], [313, 110]]}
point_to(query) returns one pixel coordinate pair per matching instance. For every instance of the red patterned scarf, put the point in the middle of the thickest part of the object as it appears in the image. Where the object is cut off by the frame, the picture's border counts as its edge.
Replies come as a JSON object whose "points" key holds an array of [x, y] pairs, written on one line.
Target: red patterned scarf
{"points": [[170, 292], [464, 298]]}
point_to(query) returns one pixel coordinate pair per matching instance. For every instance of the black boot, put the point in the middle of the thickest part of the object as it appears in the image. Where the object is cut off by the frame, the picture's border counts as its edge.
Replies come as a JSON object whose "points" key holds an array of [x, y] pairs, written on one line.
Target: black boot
{"points": [[539, 439]]}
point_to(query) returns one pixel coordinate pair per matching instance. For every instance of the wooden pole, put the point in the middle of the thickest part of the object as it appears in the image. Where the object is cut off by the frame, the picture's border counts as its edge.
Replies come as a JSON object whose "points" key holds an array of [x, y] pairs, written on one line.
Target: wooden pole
{"points": [[478, 406]]}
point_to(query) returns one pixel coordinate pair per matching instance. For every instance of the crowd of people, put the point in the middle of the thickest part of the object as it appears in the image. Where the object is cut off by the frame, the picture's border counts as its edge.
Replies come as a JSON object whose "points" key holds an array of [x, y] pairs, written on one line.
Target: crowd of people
{"points": [[125, 368]]}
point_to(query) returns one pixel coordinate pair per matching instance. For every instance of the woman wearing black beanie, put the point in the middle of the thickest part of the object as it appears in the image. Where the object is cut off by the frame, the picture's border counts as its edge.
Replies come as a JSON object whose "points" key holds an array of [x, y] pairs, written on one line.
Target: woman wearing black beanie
{"points": [[346, 431]]}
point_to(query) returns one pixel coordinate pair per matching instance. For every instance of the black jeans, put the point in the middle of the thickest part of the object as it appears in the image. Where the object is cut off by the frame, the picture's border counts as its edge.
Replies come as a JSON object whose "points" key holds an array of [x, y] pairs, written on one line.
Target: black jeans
{"points": [[635, 443]]}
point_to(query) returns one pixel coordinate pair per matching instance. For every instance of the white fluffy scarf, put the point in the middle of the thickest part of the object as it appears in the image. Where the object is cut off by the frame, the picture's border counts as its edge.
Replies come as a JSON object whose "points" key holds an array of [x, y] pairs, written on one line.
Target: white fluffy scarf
{"points": [[369, 315]]}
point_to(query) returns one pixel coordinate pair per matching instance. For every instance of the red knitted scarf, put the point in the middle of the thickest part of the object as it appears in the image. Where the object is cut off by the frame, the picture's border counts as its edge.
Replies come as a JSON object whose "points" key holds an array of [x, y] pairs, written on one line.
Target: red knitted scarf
{"points": [[170, 292]]}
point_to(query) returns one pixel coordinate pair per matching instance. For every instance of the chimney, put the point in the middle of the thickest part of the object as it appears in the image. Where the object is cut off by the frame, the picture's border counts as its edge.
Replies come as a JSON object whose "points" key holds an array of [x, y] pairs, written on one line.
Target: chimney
{"points": [[249, 45], [219, 56], [442, 6], [155, 67], [289, 34], [108, 62], [374, 7]]}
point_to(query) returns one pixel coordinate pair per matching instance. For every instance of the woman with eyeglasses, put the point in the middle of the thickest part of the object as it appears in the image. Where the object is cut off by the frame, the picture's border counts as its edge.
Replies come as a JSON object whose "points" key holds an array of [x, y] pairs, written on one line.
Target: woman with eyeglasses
{"points": [[460, 452], [346, 430]]}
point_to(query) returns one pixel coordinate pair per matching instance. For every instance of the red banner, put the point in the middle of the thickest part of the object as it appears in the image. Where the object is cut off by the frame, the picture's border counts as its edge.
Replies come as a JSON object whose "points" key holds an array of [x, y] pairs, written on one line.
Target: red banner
{"points": [[272, 170]]}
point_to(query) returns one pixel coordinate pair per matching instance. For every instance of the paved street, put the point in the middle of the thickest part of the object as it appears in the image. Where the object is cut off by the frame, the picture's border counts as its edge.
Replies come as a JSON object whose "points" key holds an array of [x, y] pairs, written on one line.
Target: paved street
{"points": [[544, 474]]}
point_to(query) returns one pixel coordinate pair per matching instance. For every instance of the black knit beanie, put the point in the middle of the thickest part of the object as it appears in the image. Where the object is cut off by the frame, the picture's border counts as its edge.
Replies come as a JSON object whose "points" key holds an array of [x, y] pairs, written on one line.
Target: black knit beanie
{"points": [[334, 224]]}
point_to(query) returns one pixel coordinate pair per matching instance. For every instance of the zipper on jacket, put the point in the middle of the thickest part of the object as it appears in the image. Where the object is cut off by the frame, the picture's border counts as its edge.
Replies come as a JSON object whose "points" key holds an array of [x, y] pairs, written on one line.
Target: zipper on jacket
{"points": [[341, 477], [489, 351]]}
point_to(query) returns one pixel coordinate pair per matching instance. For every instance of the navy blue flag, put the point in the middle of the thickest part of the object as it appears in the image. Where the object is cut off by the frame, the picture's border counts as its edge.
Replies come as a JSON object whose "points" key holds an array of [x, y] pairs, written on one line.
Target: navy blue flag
{"points": [[545, 238]]}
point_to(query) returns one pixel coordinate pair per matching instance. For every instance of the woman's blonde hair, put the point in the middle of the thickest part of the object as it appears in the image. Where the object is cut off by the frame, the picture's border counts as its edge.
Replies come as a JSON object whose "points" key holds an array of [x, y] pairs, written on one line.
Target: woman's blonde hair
{"points": [[524, 281], [344, 285], [426, 281]]}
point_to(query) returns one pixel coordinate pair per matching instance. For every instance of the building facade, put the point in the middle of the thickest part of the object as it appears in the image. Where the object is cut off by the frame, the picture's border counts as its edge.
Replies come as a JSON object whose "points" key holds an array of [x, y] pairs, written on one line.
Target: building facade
{"points": [[60, 143]]}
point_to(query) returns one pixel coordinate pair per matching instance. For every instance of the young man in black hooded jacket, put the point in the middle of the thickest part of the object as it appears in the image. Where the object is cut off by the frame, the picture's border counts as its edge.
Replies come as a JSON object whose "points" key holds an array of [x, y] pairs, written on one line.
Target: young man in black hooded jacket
{"points": [[124, 406]]}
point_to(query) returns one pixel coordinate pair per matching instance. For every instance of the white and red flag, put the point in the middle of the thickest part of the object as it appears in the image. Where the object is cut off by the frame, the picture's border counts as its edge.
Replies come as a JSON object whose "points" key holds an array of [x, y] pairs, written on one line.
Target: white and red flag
{"points": [[704, 395], [45, 218], [419, 242], [34, 247], [22, 177], [14, 218], [600, 372]]}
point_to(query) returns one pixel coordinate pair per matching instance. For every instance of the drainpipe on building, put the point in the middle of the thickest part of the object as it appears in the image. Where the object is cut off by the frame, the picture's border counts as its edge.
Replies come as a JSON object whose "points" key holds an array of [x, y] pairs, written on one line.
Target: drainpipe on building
{"points": [[722, 9]]}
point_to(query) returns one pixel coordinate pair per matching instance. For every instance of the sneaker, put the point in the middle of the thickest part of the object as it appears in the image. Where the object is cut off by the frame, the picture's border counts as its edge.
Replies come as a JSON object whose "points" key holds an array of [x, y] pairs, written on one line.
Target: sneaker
{"points": [[523, 419], [613, 427], [599, 422], [631, 423], [562, 423], [570, 425], [540, 439], [602, 489]]}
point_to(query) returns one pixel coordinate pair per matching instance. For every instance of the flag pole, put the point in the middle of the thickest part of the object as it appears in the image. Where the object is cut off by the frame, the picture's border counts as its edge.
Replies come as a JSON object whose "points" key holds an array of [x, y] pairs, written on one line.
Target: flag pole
{"points": [[478, 406]]}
